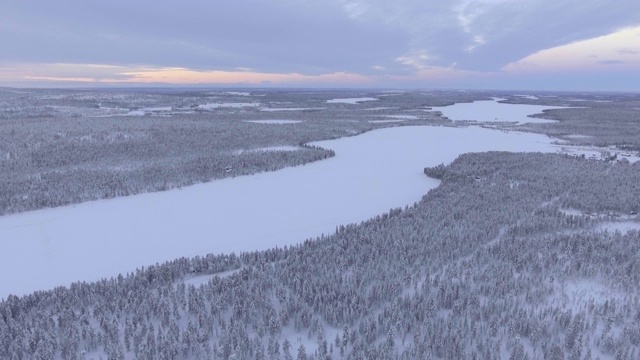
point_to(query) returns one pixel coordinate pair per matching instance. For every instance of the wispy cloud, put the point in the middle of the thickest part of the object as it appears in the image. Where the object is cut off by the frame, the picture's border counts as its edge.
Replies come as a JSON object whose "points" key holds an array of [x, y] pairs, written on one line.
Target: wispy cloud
{"points": [[107, 74], [619, 49]]}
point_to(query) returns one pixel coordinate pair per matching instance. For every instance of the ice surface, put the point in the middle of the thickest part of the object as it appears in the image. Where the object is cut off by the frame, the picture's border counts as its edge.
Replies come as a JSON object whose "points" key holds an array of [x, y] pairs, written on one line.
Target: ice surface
{"points": [[350, 100], [370, 174], [494, 111]]}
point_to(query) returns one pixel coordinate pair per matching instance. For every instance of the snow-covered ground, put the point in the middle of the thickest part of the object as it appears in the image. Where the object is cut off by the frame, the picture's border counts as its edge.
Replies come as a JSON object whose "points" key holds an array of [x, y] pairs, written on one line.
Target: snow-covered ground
{"points": [[622, 226], [494, 111], [530, 97], [47, 248], [403, 117], [386, 121], [274, 121], [290, 109], [271, 148], [211, 106], [597, 153], [135, 113], [350, 100], [379, 108]]}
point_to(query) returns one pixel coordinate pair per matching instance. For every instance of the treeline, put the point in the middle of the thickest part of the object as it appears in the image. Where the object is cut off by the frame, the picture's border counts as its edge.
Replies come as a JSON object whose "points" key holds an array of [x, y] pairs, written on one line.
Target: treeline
{"points": [[58, 161], [603, 124], [60, 147], [486, 266]]}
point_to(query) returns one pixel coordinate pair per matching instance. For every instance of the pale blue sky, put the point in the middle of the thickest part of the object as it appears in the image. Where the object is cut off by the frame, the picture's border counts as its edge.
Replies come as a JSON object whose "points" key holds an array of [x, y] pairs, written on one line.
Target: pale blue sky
{"points": [[515, 44]]}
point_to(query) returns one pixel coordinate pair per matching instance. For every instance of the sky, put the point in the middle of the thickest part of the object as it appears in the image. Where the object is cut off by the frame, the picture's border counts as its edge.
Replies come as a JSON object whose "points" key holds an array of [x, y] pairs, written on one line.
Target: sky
{"points": [[588, 45]]}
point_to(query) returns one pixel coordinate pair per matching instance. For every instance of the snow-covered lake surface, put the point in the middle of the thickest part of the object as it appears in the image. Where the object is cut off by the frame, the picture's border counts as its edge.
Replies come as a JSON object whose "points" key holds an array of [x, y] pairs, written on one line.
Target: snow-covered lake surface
{"points": [[370, 174], [350, 100], [494, 111]]}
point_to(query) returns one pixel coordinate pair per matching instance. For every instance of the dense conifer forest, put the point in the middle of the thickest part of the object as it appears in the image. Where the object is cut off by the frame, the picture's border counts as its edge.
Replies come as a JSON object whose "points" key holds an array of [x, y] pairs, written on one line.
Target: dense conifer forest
{"points": [[488, 265], [60, 147], [512, 256]]}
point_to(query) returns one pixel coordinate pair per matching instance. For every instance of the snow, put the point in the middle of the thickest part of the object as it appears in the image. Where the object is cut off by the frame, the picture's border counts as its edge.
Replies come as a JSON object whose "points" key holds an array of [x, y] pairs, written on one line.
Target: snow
{"points": [[290, 109], [274, 121], [585, 290], [622, 226], [404, 117], [395, 118], [385, 121], [200, 280], [578, 136], [85, 242], [597, 153], [572, 212], [379, 108], [157, 109], [135, 113], [494, 111], [530, 97], [351, 100], [266, 149], [211, 106]]}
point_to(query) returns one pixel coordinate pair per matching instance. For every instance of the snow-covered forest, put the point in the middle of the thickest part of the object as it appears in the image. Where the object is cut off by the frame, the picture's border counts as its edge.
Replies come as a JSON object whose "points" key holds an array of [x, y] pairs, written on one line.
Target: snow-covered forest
{"points": [[512, 256]]}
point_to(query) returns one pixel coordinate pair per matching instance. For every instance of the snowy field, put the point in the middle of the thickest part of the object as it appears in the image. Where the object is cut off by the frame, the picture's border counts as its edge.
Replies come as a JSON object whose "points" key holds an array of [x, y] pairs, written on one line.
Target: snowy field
{"points": [[350, 100], [274, 121], [370, 174], [597, 153], [274, 109], [211, 106], [267, 149], [494, 111]]}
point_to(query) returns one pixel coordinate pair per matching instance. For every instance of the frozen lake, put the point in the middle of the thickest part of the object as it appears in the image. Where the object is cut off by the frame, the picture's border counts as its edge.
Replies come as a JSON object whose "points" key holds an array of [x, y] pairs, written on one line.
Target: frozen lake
{"points": [[494, 111], [370, 174]]}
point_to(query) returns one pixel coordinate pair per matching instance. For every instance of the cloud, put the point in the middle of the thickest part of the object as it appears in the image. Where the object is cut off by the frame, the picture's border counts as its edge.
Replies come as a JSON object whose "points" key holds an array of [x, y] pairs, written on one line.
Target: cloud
{"points": [[282, 36], [611, 62], [628, 51], [418, 60], [619, 49], [92, 74], [486, 35], [379, 40]]}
